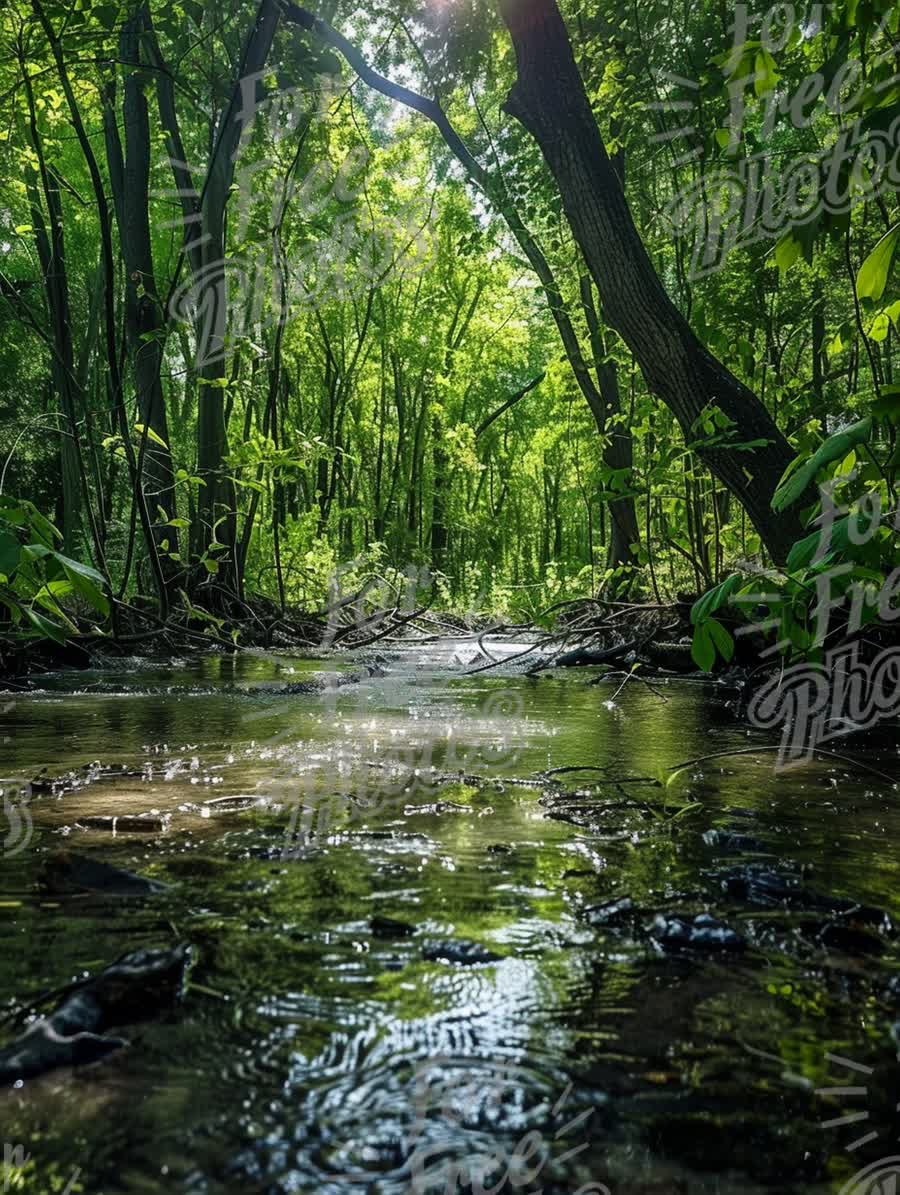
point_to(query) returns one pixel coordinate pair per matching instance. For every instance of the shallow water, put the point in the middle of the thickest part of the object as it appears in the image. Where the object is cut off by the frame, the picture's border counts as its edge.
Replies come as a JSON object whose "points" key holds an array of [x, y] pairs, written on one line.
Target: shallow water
{"points": [[311, 1054]]}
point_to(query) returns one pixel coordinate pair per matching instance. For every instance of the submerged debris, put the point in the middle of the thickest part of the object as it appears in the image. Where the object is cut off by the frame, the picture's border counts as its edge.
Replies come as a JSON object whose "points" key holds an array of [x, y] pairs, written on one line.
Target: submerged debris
{"points": [[64, 871], [728, 840], [128, 823], [134, 988], [76, 778], [761, 886]]}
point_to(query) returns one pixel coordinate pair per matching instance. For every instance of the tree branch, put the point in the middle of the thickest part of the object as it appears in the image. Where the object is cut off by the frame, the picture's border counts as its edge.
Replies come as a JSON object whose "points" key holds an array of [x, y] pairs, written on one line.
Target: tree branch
{"points": [[510, 402]]}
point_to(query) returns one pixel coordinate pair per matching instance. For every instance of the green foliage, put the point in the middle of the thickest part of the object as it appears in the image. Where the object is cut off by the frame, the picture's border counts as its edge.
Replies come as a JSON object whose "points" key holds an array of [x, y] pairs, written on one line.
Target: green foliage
{"points": [[33, 573], [837, 576], [347, 424], [802, 473]]}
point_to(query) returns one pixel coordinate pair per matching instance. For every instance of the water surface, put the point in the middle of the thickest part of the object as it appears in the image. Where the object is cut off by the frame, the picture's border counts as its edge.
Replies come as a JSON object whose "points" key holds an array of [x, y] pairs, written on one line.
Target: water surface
{"points": [[312, 1054]]}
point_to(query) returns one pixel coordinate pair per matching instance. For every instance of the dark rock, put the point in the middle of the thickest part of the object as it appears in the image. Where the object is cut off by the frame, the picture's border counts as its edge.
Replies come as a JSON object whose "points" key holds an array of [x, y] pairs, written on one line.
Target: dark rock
{"points": [[387, 927], [726, 840], [702, 933], [613, 913], [466, 954]]}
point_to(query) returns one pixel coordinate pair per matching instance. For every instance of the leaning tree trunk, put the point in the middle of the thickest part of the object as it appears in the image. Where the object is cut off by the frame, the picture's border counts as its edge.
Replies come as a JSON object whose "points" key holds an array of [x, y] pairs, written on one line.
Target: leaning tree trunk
{"points": [[550, 101]]}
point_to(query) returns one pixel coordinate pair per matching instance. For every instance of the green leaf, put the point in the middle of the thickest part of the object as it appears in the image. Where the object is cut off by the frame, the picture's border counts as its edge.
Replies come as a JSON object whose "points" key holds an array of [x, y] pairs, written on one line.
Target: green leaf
{"points": [[50, 595], [837, 540], [787, 251], [721, 638], [42, 527], [835, 448], [703, 650], [714, 599], [45, 628], [151, 435], [87, 588], [75, 566], [873, 273], [765, 76]]}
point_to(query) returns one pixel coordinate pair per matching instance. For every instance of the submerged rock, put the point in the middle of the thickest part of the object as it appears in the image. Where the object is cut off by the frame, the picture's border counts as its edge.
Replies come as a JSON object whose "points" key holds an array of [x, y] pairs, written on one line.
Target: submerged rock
{"points": [[613, 913], [466, 954], [134, 988], [728, 840], [387, 927], [703, 932], [761, 886], [849, 939]]}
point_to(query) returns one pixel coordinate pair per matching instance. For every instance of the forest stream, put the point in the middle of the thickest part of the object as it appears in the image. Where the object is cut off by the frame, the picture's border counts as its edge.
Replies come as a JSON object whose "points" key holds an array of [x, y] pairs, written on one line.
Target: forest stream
{"points": [[438, 971]]}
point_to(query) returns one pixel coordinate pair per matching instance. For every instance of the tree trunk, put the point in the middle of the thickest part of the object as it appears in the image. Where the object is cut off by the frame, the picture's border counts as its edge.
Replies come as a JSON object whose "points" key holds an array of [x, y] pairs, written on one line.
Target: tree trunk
{"points": [[144, 327], [549, 100], [217, 513], [619, 451]]}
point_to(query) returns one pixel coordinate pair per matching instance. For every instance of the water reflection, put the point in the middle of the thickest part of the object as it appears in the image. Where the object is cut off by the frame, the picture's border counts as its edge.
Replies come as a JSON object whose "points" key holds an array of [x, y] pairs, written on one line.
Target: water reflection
{"points": [[297, 1062]]}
